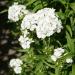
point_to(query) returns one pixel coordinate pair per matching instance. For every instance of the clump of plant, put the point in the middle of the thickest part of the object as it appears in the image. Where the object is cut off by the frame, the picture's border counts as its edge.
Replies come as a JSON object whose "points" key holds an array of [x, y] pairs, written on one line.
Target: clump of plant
{"points": [[47, 36]]}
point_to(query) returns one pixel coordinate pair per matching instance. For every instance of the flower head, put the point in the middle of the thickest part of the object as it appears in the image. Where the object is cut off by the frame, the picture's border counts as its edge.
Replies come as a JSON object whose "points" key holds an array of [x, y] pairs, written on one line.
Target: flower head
{"points": [[57, 54], [16, 65], [45, 22], [17, 70], [48, 23], [15, 62], [69, 60], [15, 12], [29, 22], [25, 42]]}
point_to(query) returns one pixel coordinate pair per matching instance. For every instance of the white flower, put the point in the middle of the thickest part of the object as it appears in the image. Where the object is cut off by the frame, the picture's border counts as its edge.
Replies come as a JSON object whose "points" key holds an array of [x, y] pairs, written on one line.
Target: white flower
{"points": [[15, 62], [15, 12], [29, 22], [61, 50], [16, 65], [17, 70], [18, 62], [25, 42], [12, 62], [69, 60], [57, 53], [47, 23], [53, 58]]}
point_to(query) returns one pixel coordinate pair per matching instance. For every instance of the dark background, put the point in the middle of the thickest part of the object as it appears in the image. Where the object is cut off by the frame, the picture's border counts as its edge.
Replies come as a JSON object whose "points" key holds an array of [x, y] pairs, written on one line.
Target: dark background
{"points": [[8, 42]]}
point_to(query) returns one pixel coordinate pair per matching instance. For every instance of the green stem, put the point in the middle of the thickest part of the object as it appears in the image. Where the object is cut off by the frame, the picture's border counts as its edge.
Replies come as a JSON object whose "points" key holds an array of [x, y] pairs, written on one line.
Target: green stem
{"points": [[49, 64], [73, 69], [3, 11], [44, 42], [49, 41], [57, 71]]}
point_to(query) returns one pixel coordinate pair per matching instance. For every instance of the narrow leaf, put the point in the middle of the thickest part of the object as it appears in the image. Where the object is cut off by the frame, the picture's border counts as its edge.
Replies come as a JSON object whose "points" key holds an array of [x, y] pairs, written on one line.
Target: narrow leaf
{"points": [[72, 5]]}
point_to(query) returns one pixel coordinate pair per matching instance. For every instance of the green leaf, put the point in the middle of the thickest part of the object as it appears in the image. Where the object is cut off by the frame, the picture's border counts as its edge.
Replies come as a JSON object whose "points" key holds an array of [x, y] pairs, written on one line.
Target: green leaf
{"points": [[23, 50], [37, 7], [57, 70], [72, 5], [70, 42], [30, 2], [61, 15], [37, 2], [63, 1], [69, 30], [39, 70], [1, 12], [73, 69]]}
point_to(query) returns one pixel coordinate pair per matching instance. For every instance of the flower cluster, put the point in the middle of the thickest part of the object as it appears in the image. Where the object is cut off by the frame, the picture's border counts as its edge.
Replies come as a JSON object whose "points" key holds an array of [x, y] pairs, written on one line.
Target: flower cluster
{"points": [[15, 12], [69, 60], [16, 65], [25, 42], [57, 54], [29, 22], [45, 22]]}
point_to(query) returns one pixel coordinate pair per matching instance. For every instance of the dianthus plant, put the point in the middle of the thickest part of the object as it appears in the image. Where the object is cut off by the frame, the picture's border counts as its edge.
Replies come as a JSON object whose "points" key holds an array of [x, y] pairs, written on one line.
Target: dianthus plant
{"points": [[47, 38]]}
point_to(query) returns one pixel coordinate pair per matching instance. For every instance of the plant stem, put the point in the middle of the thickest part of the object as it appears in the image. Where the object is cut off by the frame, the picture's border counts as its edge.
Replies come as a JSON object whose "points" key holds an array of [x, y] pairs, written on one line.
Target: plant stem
{"points": [[57, 70], [73, 69], [49, 64]]}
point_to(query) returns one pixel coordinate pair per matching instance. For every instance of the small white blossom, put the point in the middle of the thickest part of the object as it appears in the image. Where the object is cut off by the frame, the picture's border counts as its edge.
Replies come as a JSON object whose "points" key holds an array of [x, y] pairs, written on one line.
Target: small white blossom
{"points": [[12, 62], [29, 22], [15, 12], [18, 62], [57, 53], [17, 70], [16, 65], [69, 60], [25, 42], [15, 62], [61, 50]]}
